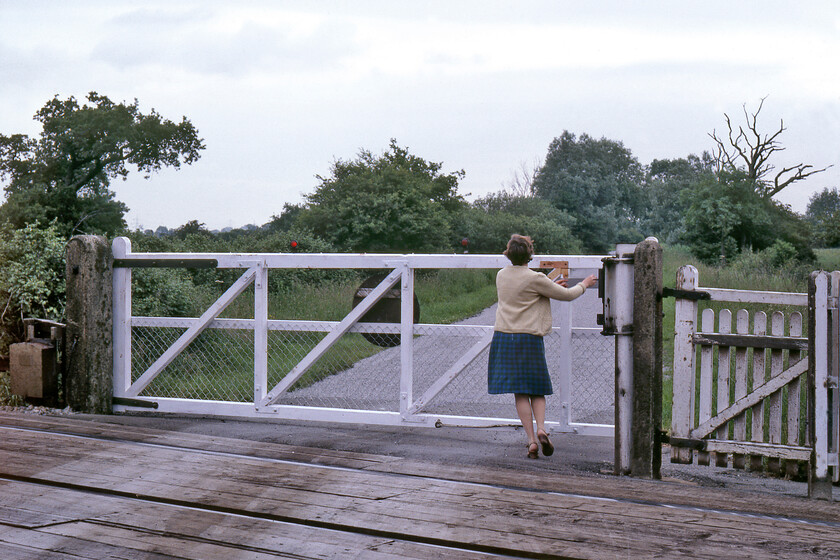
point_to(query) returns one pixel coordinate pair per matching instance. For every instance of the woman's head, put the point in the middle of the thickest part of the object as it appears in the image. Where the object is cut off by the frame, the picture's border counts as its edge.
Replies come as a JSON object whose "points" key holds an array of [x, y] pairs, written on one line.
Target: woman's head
{"points": [[520, 249]]}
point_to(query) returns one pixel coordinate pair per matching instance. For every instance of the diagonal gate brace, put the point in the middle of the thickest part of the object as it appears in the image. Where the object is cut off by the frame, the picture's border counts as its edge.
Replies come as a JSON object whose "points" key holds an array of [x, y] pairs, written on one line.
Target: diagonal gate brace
{"points": [[752, 399]]}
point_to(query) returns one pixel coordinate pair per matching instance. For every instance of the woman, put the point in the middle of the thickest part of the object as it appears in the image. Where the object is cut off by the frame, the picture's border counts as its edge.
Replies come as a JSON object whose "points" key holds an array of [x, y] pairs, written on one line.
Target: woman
{"points": [[517, 353]]}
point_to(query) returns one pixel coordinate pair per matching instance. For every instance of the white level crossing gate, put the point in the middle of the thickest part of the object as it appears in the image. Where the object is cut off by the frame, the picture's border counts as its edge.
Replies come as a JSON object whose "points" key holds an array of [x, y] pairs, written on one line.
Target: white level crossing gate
{"points": [[305, 369]]}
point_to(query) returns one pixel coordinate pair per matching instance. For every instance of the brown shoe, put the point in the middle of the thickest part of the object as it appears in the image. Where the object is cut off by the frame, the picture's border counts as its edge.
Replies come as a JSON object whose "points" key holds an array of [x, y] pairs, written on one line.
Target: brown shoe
{"points": [[533, 449], [547, 448]]}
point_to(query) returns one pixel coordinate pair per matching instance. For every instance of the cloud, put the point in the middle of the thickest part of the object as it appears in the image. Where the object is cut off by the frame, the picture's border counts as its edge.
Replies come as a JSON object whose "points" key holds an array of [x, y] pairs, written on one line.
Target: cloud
{"points": [[199, 42]]}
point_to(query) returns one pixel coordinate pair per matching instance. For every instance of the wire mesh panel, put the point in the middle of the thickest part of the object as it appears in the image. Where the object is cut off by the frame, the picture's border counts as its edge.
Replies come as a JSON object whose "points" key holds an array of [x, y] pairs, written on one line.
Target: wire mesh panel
{"points": [[353, 374], [357, 374], [467, 394], [593, 378], [217, 366]]}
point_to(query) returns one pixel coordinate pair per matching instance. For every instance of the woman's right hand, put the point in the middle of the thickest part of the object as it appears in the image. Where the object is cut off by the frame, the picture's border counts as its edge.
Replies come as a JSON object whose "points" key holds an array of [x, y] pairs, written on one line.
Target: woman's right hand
{"points": [[590, 280]]}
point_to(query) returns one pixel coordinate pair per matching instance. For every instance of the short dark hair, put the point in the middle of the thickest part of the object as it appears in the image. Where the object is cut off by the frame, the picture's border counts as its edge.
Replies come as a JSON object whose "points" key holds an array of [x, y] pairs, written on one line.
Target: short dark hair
{"points": [[520, 249]]}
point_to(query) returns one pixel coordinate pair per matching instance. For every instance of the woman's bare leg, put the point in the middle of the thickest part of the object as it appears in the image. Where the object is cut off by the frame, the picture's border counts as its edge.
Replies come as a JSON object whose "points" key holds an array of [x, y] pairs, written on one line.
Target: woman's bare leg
{"points": [[538, 406], [523, 409]]}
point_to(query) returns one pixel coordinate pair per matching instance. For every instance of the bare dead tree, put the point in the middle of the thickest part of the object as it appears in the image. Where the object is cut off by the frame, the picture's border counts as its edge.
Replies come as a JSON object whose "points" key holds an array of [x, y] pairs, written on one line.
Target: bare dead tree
{"points": [[521, 182], [747, 148]]}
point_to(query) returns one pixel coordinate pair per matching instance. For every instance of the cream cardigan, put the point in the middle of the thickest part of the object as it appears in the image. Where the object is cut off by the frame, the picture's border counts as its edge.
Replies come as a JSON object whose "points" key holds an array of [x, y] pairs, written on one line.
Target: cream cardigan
{"points": [[524, 305]]}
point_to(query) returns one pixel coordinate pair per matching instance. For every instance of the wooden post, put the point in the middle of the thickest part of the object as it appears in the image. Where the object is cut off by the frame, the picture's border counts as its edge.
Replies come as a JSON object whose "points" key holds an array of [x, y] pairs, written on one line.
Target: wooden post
{"points": [[646, 453], [89, 370], [819, 483], [685, 318]]}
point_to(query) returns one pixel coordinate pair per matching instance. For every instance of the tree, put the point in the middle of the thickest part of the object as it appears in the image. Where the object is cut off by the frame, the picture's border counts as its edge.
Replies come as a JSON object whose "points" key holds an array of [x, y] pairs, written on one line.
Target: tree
{"points": [[598, 183], [31, 278], [396, 202], [665, 184], [286, 219], [725, 216], [823, 214], [490, 221], [751, 151], [192, 227], [65, 174]]}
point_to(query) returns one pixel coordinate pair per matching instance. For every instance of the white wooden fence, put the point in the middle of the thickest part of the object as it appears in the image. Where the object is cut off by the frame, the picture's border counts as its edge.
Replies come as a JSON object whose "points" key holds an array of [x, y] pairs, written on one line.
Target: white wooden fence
{"points": [[743, 390]]}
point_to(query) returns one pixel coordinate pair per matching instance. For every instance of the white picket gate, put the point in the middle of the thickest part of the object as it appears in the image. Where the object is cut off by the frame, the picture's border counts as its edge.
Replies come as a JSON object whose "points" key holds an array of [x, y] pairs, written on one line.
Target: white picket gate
{"points": [[752, 390], [418, 382]]}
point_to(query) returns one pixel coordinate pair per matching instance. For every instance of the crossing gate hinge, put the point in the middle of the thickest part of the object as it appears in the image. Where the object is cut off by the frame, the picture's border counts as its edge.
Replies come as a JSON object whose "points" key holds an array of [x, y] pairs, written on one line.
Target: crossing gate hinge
{"points": [[693, 295], [626, 258], [831, 382], [687, 443]]}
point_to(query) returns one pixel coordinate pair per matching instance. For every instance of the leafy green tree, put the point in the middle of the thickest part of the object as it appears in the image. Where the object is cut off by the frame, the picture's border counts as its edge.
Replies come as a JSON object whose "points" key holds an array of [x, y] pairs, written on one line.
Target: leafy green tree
{"points": [[286, 219], [396, 202], [193, 227], [666, 183], [823, 214], [65, 174], [598, 182], [31, 278], [490, 221], [725, 216]]}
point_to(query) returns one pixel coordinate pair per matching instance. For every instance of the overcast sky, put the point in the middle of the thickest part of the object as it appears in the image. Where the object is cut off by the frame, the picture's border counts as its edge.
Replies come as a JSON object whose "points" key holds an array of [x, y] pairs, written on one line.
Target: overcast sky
{"points": [[279, 90]]}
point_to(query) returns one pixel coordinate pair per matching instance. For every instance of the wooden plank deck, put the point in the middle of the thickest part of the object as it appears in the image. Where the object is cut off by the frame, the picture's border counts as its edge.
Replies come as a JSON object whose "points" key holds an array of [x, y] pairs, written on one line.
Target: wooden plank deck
{"points": [[82, 489]]}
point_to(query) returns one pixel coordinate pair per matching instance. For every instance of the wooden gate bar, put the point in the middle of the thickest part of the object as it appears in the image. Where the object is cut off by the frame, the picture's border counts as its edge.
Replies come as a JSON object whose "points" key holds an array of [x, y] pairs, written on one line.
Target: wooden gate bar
{"points": [[751, 341]]}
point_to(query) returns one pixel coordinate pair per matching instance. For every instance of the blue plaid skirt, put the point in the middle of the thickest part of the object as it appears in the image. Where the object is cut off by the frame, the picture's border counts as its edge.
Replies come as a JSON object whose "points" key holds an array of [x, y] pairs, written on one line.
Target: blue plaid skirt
{"points": [[517, 365]]}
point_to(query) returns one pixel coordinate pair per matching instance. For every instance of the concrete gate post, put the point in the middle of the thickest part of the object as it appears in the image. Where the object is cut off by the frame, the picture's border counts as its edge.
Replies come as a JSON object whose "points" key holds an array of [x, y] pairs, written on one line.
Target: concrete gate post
{"points": [[646, 446], [89, 360]]}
